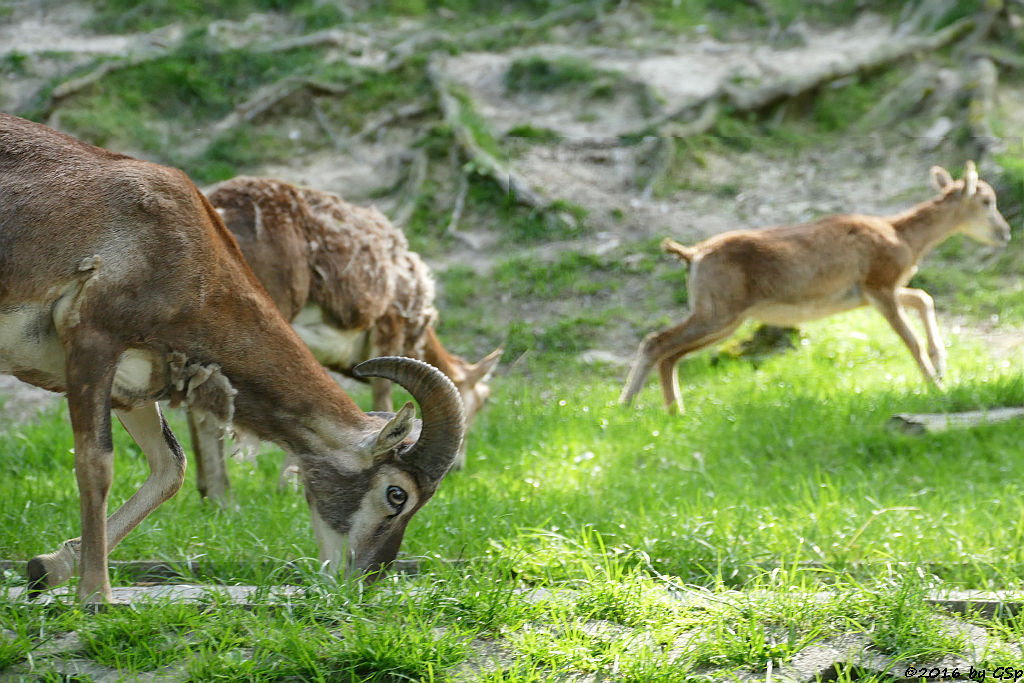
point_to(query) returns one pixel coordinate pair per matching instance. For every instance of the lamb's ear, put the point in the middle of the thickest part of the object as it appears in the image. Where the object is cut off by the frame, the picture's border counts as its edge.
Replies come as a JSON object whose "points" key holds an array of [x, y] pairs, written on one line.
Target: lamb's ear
{"points": [[970, 179], [395, 431], [940, 178], [481, 372]]}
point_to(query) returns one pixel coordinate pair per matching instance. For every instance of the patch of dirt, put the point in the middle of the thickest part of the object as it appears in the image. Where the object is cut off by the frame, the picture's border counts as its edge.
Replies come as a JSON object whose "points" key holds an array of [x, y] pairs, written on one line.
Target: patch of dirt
{"points": [[45, 26], [52, 43], [738, 190], [357, 172], [678, 74]]}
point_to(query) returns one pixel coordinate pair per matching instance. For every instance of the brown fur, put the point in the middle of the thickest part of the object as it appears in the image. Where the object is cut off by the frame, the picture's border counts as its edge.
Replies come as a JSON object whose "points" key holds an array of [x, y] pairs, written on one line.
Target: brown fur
{"points": [[312, 247], [112, 254], [792, 273]]}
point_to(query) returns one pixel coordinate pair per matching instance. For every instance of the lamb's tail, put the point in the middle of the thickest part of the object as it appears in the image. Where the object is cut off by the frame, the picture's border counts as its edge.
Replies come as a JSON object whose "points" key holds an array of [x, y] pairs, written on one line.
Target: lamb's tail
{"points": [[683, 253]]}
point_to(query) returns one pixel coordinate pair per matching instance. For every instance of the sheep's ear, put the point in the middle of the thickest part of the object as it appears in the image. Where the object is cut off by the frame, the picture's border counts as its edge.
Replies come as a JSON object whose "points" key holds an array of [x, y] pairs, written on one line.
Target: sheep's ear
{"points": [[970, 179], [481, 372], [940, 178], [395, 431]]}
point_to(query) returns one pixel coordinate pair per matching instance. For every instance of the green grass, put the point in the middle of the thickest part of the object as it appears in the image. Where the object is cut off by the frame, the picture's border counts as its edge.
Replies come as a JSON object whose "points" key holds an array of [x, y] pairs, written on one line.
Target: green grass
{"points": [[157, 107], [535, 74], [780, 478], [591, 538]]}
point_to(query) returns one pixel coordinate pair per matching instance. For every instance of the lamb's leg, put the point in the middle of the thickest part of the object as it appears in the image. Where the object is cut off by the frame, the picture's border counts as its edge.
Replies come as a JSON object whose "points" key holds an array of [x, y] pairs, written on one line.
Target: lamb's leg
{"points": [[207, 437], [666, 348], [667, 367], [886, 301]]}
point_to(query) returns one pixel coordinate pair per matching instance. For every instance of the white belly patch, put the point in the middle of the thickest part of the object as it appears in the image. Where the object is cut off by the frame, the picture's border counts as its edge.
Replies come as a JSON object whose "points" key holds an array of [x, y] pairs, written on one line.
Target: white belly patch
{"points": [[29, 342], [814, 309], [29, 346], [331, 346], [134, 374]]}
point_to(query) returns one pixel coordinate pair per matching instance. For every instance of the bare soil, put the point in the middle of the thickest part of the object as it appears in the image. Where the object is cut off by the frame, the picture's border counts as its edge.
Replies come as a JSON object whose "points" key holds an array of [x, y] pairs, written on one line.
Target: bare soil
{"points": [[880, 173]]}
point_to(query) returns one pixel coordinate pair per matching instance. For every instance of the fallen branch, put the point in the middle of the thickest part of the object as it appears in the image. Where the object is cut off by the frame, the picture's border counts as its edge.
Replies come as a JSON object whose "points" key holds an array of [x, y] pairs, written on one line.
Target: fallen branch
{"points": [[930, 423], [387, 118], [509, 181], [73, 86], [268, 96]]}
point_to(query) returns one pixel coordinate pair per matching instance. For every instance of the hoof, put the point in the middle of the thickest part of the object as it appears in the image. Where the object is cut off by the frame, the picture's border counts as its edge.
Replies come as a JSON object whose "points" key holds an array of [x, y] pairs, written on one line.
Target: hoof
{"points": [[99, 598], [37, 577], [52, 569]]}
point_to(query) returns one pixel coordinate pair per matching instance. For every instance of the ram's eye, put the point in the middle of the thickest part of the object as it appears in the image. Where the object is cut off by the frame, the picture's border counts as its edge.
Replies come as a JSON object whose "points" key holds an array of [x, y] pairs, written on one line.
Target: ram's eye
{"points": [[397, 497]]}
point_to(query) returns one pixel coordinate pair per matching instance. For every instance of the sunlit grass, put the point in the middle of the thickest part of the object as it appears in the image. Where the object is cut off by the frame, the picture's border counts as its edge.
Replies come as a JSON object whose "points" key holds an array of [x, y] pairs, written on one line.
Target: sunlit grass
{"points": [[579, 522]]}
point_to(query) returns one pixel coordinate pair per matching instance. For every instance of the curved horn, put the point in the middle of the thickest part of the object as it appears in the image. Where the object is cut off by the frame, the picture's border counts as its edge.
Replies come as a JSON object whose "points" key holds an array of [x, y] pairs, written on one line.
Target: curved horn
{"points": [[440, 405]]}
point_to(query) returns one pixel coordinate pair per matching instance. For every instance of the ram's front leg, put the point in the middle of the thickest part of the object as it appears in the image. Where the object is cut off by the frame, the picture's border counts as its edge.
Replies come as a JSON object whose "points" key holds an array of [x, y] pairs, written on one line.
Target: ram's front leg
{"points": [[91, 362]]}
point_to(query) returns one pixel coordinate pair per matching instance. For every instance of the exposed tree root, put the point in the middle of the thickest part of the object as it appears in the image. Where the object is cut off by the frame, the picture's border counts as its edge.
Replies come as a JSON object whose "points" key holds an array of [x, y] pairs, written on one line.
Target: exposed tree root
{"points": [[411, 188], [1009, 60], [509, 181], [748, 99], [269, 96], [74, 86], [388, 118], [321, 118], [664, 154], [457, 209], [426, 40]]}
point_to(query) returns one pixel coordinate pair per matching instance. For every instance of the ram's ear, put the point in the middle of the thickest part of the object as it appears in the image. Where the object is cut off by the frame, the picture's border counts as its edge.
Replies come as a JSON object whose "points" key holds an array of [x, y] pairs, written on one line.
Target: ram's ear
{"points": [[941, 179], [395, 431]]}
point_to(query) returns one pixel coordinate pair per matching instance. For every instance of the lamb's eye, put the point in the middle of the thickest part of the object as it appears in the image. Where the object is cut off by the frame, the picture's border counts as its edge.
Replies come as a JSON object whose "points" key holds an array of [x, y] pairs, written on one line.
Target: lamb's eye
{"points": [[396, 497]]}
